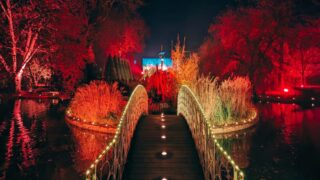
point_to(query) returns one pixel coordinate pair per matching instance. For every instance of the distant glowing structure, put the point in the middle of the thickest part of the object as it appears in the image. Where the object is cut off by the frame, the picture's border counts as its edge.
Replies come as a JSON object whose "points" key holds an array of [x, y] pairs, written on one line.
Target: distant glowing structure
{"points": [[161, 62]]}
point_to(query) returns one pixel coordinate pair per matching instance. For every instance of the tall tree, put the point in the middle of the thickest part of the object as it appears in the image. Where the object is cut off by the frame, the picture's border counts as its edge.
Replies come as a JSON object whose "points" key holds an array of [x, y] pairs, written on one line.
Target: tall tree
{"points": [[302, 52], [23, 35], [248, 41]]}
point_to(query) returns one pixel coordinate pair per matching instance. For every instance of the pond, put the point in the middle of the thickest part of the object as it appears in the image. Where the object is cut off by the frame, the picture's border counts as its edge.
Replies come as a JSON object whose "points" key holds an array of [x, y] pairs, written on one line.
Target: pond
{"points": [[37, 143], [285, 144]]}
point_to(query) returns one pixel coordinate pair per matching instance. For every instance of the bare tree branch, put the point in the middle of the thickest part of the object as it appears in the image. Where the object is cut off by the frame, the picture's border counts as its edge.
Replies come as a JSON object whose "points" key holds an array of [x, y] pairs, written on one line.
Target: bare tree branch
{"points": [[4, 64], [4, 9]]}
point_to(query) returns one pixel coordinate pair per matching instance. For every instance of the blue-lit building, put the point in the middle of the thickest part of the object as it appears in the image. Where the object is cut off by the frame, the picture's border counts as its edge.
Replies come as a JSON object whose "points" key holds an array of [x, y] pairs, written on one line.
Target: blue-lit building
{"points": [[161, 62]]}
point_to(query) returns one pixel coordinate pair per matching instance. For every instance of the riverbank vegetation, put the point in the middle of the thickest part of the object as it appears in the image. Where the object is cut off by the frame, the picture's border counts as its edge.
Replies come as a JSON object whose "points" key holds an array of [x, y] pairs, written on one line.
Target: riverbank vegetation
{"points": [[97, 103]]}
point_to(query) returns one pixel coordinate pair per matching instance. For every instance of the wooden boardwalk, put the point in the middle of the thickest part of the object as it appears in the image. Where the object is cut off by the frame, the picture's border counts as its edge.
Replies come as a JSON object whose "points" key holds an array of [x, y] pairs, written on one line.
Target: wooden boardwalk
{"points": [[163, 152]]}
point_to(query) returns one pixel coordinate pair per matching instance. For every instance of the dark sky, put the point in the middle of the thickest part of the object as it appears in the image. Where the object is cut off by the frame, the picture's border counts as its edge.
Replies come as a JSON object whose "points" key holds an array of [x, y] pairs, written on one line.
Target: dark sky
{"points": [[189, 18]]}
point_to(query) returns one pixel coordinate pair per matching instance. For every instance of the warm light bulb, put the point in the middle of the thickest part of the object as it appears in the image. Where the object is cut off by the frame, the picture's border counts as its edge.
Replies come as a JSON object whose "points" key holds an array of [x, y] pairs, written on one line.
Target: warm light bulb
{"points": [[163, 137], [164, 178], [163, 120], [163, 126], [164, 153]]}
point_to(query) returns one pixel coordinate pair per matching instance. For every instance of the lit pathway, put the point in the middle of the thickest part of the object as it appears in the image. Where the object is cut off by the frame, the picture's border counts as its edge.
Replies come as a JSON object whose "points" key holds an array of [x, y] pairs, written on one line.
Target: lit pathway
{"points": [[162, 149]]}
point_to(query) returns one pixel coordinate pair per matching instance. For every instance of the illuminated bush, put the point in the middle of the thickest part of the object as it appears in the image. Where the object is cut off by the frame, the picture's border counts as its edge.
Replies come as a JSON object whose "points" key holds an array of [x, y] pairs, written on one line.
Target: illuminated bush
{"points": [[235, 95], [97, 102], [226, 103], [162, 84]]}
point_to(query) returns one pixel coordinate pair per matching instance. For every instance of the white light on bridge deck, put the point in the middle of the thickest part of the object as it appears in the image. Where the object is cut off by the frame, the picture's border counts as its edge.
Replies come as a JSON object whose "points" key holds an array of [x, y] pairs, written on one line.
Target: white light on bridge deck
{"points": [[163, 120], [163, 137], [163, 126], [164, 178], [164, 153]]}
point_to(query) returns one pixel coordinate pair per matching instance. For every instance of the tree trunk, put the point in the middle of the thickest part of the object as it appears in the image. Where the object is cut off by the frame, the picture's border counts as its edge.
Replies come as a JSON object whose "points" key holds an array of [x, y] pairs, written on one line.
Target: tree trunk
{"points": [[17, 82], [302, 77]]}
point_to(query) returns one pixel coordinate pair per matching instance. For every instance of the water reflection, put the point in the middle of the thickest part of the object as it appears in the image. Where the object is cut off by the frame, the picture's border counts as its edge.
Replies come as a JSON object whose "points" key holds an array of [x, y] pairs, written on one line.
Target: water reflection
{"points": [[285, 144], [37, 143], [88, 147], [238, 144]]}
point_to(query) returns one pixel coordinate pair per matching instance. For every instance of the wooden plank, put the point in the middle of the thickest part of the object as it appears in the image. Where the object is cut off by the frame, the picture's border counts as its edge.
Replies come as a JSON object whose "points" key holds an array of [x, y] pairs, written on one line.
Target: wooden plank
{"points": [[145, 160]]}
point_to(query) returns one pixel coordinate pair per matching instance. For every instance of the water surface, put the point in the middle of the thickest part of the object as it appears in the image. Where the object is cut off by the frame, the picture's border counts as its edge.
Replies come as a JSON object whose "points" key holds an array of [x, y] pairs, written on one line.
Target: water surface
{"points": [[285, 144], [37, 143]]}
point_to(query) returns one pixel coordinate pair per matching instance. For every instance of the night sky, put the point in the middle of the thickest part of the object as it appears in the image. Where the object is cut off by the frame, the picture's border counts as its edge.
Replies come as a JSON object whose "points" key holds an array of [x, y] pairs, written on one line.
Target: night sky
{"points": [[189, 18]]}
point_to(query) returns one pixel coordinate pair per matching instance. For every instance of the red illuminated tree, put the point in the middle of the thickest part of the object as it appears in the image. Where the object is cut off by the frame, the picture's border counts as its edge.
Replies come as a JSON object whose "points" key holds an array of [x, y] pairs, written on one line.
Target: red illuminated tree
{"points": [[302, 52], [23, 30], [163, 84], [247, 41], [72, 49], [123, 39]]}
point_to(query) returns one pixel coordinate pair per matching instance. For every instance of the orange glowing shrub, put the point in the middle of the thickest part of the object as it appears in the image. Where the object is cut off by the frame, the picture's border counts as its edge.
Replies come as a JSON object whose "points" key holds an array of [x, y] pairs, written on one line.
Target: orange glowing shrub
{"points": [[97, 102]]}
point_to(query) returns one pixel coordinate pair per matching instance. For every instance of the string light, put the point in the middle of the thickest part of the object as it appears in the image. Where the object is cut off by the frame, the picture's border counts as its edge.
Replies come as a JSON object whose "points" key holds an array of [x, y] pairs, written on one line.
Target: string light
{"points": [[116, 136], [163, 137], [164, 153], [211, 131]]}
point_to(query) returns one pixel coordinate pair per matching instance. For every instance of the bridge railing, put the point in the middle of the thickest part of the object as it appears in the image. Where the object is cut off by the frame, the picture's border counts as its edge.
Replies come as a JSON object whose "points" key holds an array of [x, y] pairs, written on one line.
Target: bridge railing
{"points": [[215, 161], [110, 163]]}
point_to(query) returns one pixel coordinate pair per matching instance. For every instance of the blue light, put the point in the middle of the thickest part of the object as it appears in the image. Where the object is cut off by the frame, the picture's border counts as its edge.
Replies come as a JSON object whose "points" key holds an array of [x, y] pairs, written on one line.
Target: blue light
{"points": [[156, 62]]}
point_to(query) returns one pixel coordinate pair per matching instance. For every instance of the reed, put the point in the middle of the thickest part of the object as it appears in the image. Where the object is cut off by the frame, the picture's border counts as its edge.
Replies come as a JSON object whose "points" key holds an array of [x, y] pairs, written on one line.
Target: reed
{"points": [[97, 102], [225, 103]]}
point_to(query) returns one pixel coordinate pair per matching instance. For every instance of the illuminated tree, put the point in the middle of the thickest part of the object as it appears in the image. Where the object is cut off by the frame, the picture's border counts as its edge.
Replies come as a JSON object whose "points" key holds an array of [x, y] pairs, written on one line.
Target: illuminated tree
{"points": [[70, 37], [248, 41], [23, 29], [124, 38], [178, 54], [185, 68], [163, 84], [302, 53], [38, 71]]}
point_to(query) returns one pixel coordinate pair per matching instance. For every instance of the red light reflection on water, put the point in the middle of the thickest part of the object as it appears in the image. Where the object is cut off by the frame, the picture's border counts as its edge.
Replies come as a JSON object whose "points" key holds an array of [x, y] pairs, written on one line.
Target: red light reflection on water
{"points": [[19, 137], [88, 145], [23, 137], [290, 117]]}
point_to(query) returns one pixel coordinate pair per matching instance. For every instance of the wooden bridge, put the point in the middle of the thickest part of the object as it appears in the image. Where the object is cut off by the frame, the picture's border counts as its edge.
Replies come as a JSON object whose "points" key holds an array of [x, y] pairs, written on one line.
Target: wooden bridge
{"points": [[164, 146]]}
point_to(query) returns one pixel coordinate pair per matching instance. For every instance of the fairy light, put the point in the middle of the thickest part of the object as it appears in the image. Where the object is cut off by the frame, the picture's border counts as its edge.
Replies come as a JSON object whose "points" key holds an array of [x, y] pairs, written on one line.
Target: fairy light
{"points": [[116, 136], [163, 137], [212, 132], [164, 153]]}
